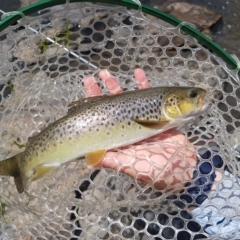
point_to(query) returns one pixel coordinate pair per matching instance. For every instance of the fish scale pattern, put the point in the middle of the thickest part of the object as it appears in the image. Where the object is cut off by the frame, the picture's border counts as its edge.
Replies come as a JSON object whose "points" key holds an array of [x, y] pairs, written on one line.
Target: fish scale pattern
{"points": [[39, 78]]}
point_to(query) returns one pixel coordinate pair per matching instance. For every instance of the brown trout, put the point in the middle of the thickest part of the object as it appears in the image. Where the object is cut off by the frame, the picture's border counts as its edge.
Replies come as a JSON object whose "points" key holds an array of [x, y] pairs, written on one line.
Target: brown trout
{"points": [[95, 125]]}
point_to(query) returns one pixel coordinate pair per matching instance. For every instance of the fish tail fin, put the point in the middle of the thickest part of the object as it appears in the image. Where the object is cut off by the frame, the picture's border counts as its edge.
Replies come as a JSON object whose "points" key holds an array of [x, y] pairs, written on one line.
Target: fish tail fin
{"points": [[9, 167]]}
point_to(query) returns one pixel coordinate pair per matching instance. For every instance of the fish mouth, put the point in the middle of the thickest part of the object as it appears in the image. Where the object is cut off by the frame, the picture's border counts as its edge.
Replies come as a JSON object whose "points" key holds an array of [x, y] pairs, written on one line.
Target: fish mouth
{"points": [[202, 108], [200, 105], [193, 114], [199, 102]]}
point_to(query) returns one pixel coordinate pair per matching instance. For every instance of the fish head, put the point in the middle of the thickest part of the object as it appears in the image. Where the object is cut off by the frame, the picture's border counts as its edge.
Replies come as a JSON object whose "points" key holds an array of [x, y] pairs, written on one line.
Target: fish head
{"points": [[183, 102]]}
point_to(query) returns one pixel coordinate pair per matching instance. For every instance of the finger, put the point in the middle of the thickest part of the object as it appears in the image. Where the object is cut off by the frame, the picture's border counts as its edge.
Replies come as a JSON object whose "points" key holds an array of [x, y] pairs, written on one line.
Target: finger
{"points": [[91, 87], [141, 78], [110, 82]]}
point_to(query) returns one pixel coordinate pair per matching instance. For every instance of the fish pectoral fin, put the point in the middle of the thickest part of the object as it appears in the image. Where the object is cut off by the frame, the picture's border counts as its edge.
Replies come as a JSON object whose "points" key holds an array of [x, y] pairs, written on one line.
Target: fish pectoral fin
{"points": [[152, 124], [95, 157], [41, 171]]}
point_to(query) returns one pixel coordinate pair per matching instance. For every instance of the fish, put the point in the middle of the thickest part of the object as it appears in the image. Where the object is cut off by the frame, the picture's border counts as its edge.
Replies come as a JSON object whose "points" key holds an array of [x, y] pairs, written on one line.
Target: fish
{"points": [[95, 125]]}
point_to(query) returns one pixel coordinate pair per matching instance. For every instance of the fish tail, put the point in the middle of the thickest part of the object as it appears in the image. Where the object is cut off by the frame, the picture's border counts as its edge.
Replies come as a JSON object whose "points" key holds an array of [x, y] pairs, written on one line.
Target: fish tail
{"points": [[9, 167]]}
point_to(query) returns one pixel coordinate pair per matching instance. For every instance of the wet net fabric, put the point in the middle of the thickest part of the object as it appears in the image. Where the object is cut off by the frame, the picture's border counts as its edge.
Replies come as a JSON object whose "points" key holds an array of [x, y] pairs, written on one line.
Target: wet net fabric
{"points": [[44, 59]]}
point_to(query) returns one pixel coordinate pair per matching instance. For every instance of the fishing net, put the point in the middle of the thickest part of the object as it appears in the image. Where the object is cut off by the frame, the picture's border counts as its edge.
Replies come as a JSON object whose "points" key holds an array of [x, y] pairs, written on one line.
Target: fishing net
{"points": [[46, 50]]}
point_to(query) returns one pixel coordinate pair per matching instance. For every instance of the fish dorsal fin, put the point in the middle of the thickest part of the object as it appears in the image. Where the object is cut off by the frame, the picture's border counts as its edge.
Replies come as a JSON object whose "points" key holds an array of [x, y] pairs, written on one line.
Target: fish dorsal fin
{"points": [[83, 102], [30, 140], [152, 124]]}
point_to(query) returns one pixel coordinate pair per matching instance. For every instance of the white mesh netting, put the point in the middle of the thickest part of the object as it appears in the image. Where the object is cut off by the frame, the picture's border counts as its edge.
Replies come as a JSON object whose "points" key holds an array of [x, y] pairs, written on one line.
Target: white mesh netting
{"points": [[39, 78]]}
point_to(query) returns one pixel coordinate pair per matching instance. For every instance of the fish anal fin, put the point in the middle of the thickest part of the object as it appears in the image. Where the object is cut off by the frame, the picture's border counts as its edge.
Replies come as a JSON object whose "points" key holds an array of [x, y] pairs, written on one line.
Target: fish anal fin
{"points": [[41, 171], [152, 124], [19, 183], [95, 157]]}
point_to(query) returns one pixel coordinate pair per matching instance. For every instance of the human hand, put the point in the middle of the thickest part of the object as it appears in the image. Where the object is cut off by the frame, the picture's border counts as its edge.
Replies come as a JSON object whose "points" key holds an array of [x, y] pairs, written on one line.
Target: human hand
{"points": [[166, 161]]}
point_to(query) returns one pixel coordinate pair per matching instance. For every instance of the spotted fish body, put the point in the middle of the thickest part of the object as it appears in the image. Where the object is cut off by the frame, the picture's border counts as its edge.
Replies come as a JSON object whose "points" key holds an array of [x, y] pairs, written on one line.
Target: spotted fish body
{"points": [[95, 125]]}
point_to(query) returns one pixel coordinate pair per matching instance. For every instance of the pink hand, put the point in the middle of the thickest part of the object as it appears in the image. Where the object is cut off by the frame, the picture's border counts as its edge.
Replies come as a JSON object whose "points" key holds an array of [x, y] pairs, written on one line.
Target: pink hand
{"points": [[165, 161]]}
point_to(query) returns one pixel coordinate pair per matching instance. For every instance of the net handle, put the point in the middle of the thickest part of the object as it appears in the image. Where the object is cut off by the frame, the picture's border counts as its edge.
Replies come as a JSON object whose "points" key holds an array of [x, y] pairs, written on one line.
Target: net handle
{"points": [[204, 40]]}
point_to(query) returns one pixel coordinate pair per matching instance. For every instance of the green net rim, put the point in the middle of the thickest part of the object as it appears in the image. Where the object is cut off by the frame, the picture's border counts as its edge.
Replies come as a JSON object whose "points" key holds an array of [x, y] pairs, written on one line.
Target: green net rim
{"points": [[204, 40]]}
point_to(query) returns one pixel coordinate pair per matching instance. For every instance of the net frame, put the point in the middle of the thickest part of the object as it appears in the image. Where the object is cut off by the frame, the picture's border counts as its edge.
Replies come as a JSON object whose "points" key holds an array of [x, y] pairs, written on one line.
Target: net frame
{"points": [[225, 56], [186, 27]]}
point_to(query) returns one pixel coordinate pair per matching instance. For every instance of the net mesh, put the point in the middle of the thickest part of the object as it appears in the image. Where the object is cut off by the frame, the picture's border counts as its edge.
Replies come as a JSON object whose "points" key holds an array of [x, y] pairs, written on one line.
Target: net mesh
{"points": [[44, 59]]}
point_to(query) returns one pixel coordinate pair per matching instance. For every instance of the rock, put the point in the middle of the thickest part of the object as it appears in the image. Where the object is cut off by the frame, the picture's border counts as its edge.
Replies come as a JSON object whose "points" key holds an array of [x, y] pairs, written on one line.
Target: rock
{"points": [[27, 50], [201, 17], [25, 3]]}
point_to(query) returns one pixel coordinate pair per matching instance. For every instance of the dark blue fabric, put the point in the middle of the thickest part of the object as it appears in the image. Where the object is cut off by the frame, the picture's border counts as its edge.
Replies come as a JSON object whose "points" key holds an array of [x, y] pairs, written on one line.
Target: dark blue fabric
{"points": [[202, 183], [204, 169]]}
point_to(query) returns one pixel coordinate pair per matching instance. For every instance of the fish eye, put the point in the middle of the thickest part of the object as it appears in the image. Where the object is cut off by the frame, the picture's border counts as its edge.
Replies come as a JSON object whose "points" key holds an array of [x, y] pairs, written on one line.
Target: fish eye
{"points": [[193, 93]]}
